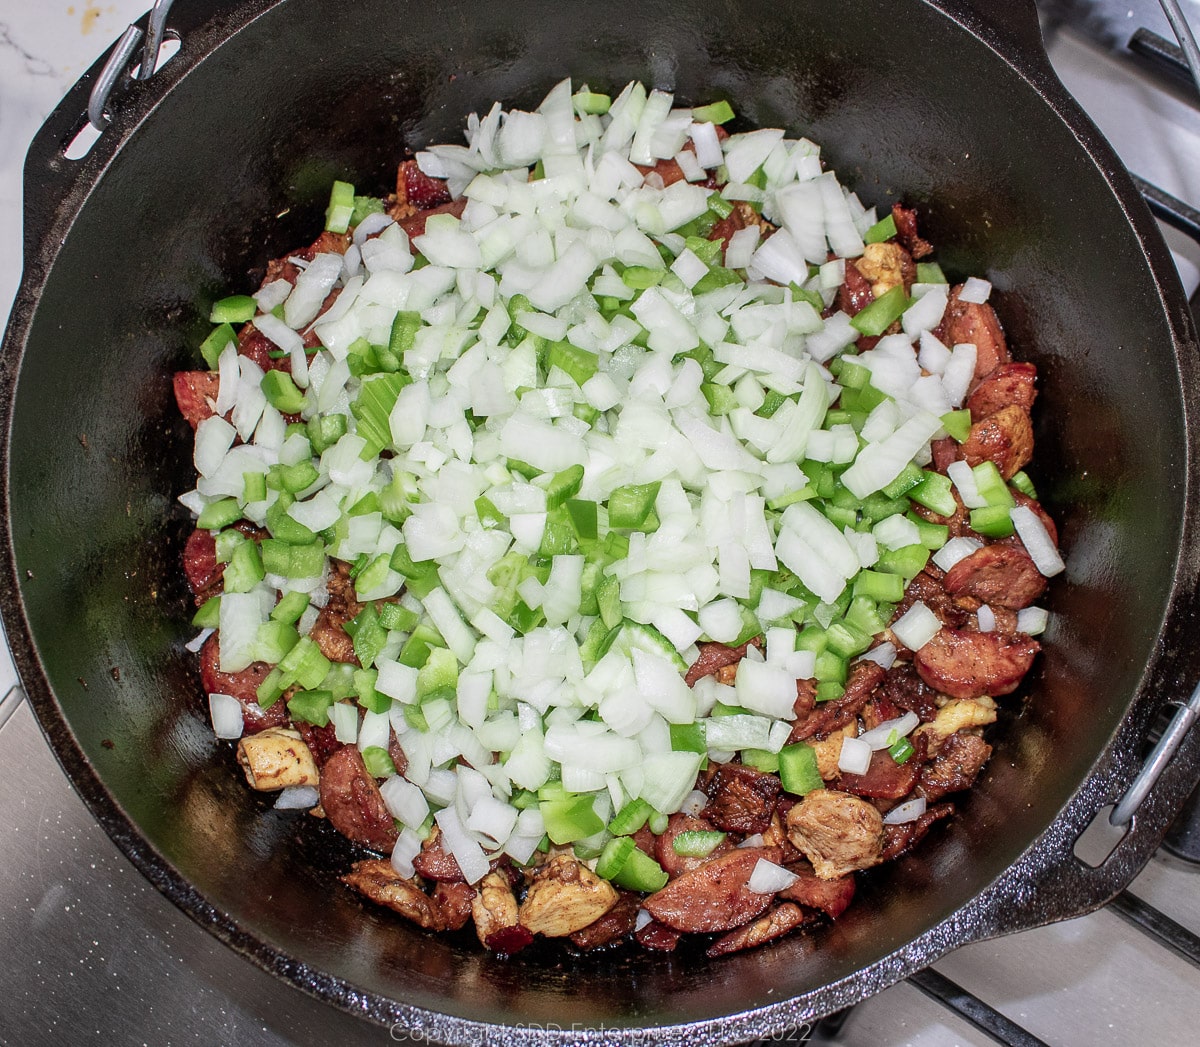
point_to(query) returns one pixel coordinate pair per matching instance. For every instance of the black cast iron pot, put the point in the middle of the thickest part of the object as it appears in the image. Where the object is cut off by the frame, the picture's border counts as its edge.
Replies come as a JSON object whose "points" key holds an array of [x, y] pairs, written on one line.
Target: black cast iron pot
{"points": [[223, 160]]}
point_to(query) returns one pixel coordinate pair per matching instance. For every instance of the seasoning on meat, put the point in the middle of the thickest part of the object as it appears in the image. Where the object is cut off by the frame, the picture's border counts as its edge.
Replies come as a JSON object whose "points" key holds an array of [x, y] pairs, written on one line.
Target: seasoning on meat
{"points": [[837, 832], [1004, 437], [276, 758], [715, 896], [959, 760], [375, 878]]}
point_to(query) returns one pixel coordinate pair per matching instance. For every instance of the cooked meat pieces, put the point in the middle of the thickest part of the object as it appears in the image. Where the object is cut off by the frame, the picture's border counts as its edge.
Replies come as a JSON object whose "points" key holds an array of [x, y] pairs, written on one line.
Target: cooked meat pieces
{"points": [[351, 801], [675, 864], [1004, 438], [565, 897], [957, 715], [328, 632], [242, 685], [781, 920], [978, 324], [195, 393], [906, 232], [434, 862], [833, 716], [956, 766], [376, 879], [904, 688], [885, 265], [884, 778], [1008, 385], [200, 565], [741, 799], [832, 897], [968, 664], [494, 907], [275, 759], [715, 896], [999, 575], [614, 926], [715, 656], [897, 839], [837, 832]]}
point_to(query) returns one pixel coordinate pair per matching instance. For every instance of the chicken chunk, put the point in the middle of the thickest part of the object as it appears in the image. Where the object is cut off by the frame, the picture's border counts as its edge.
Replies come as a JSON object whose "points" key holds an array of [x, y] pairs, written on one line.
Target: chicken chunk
{"points": [[829, 751], [565, 897], [957, 715], [837, 832], [885, 265], [377, 880], [275, 759], [494, 907]]}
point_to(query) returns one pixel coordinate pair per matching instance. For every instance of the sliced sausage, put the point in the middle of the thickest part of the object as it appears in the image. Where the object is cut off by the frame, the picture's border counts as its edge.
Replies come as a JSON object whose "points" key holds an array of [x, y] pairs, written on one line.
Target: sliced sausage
{"points": [[837, 832], [978, 324], [657, 937], [200, 565], [434, 862], [1008, 385], [614, 926], [781, 920], [415, 187], [242, 685], [352, 802], [322, 741], [715, 896], [675, 864], [1005, 438], [832, 897], [884, 778], [453, 902], [741, 799], [195, 392], [999, 575], [968, 664]]}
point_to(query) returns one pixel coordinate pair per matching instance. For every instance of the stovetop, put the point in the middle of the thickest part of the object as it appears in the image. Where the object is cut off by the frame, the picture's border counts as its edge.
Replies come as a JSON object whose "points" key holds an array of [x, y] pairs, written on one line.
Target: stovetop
{"points": [[92, 953]]}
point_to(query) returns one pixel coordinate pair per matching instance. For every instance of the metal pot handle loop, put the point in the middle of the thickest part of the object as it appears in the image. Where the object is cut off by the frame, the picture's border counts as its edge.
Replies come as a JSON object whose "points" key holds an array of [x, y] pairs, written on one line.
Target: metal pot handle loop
{"points": [[119, 59], [1156, 763]]}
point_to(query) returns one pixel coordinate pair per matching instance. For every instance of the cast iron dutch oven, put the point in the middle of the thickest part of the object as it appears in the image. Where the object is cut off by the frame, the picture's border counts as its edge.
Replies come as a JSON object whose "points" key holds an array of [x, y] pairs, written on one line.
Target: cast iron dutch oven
{"points": [[223, 160]]}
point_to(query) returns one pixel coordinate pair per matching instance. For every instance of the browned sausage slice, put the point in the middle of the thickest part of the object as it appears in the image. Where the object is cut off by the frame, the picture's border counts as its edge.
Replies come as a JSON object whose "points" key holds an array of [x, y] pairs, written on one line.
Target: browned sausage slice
{"points": [[1005, 438], [243, 686], [194, 391], [328, 632], [675, 864], [200, 564], [900, 838], [613, 926], [434, 862], [978, 324], [884, 779], [714, 897], [352, 802], [781, 920], [1008, 384], [832, 897], [967, 665], [998, 575]]}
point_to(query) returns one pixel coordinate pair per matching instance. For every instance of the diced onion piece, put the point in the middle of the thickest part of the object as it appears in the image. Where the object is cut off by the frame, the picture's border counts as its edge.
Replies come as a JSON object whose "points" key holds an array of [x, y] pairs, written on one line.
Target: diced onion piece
{"points": [[964, 480], [855, 756], [975, 290], [470, 857], [769, 878], [1038, 542], [909, 811], [884, 654], [883, 735], [297, 798], [916, 627], [226, 713], [987, 619], [955, 550], [1032, 620]]}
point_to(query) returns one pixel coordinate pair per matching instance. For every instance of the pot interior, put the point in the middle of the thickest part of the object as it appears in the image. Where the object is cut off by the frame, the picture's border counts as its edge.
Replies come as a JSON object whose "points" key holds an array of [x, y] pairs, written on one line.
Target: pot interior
{"points": [[233, 168]]}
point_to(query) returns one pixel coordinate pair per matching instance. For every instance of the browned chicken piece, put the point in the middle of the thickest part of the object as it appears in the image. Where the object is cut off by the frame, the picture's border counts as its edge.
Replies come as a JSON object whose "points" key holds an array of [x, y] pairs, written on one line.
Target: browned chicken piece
{"points": [[837, 832], [376, 879], [834, 715], [352, 802], [1005, 438], [275, 759], [741, 799], [781, 920], [967, 665], [714, 896], [328, 632], [955, 767], [494, 907], [999, 575], [977, 324], [565, 897], [616, 924], [885, 265], [832, 897], [960, 714], [1008, 385], [829, 750]]}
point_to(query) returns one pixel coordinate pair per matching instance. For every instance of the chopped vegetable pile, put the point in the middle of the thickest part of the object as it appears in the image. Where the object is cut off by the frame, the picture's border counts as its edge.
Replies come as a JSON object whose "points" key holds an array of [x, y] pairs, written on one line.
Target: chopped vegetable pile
{"points": [[618, 480]]}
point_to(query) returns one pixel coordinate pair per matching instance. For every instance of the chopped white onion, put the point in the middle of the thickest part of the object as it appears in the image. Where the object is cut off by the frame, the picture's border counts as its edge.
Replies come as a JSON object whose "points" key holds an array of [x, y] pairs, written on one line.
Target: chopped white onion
{"points": [[1037, 540], [916, 627], [769, 878], [855, 756], [226, 714], [883, 735], [909, 811], [297, 798]]}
